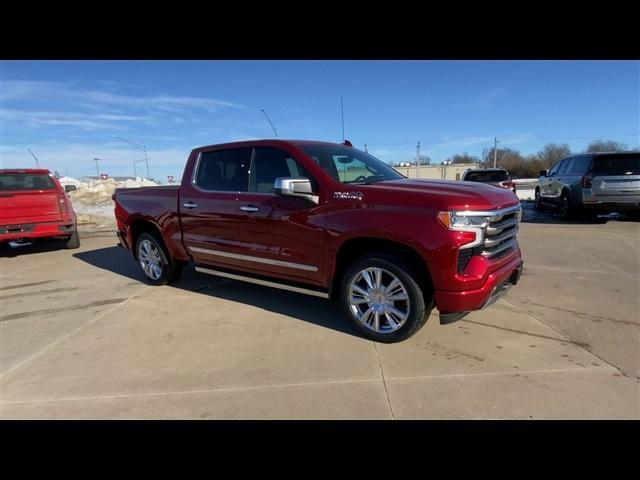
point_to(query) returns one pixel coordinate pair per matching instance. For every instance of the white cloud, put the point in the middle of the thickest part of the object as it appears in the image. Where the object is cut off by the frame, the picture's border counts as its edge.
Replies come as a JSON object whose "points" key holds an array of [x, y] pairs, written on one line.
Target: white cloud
{"points": [[81, 120]]}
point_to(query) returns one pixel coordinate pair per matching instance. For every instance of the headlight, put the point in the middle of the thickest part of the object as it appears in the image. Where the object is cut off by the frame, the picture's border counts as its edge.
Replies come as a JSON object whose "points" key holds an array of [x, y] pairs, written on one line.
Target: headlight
{"points": [[453, 221]]}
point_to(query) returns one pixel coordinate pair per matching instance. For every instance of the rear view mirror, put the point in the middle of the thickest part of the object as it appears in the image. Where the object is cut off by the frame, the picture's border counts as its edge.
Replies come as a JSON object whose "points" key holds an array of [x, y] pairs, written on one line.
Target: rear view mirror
{"points": [[543, 173], [69, 188], [295, 187]]}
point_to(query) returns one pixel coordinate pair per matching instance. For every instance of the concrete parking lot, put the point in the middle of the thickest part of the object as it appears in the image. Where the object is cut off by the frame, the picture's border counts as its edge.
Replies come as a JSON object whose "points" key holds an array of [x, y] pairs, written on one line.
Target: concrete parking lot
{"points": [[83, 336]]}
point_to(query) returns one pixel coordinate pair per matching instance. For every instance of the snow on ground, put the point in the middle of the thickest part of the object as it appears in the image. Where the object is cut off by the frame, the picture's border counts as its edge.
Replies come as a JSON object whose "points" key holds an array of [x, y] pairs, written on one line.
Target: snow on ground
{"points": [[525, 188], [92, 200]]}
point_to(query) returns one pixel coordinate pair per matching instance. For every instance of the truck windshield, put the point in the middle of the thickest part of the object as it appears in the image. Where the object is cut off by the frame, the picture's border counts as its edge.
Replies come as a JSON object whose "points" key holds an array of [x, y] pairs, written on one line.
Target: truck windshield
{"points": [[617, 164], [350, 165], [25, 181]]}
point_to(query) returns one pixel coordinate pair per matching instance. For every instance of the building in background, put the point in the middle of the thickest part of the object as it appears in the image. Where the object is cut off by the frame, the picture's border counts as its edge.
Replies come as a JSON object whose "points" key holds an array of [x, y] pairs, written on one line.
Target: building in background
{"points": [[453, 171]]}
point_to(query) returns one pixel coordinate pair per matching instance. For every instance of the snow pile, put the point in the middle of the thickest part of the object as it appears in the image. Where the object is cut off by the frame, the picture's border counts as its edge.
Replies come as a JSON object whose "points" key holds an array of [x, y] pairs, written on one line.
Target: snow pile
{"points": [[525, 188], [92, 200]]}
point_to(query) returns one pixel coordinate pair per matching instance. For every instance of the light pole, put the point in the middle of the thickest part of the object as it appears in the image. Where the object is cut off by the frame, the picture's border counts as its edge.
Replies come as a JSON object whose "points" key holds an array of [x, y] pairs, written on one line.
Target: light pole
{"points": [[135, 172], [34, 156], [139, 147], [97, 170], [275, 134], [445, 163]]}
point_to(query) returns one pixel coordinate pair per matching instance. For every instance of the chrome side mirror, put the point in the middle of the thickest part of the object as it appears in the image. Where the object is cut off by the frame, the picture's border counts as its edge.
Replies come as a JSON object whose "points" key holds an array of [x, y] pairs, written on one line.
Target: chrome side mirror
{"points": [[295, 187]]}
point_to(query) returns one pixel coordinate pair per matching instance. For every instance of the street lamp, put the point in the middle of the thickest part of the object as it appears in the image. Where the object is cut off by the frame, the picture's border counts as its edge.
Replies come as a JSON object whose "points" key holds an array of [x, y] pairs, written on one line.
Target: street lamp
{"points": [[135, 172], [275, 134], [139, 147], [97, 169], [34, 156]]}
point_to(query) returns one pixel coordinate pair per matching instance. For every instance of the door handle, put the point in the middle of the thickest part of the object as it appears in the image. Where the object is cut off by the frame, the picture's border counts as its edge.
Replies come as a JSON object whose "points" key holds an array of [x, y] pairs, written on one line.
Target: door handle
{"points": [[189, 205], [249, 208]]}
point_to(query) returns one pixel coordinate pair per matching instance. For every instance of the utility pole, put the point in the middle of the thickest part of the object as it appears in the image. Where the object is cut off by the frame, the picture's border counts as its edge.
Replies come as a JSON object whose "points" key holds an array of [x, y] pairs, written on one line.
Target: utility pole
{"points": [[97, 169], [365, 148], [275, 134], [342, 112], [495, 151], [34, 156], [135, 172], [417, 157]]}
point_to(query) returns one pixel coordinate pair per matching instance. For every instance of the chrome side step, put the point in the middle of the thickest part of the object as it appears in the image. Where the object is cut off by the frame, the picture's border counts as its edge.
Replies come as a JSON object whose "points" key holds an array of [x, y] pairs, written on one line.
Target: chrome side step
{"points": [[265, 283]]}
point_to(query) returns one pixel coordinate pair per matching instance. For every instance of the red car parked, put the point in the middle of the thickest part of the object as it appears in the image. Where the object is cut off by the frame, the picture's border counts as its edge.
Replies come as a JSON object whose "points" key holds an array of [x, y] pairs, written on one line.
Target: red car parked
{"points": [[332, 221], [34, 205]]}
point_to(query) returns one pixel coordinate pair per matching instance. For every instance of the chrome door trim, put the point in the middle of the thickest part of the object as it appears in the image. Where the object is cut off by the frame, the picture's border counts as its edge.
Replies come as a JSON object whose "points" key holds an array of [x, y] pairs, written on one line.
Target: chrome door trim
{"points": [[265, 283], [250, 258]]}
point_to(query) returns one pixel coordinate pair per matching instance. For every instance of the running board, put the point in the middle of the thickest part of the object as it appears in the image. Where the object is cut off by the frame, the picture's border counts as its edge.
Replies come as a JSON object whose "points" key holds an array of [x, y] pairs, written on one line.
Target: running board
{"points": [[265, 283]]}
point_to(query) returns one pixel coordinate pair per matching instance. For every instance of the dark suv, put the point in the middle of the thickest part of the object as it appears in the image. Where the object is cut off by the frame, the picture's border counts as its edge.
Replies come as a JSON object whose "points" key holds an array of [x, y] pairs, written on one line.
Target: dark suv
{"points": [[498, 177], [592, 182]]}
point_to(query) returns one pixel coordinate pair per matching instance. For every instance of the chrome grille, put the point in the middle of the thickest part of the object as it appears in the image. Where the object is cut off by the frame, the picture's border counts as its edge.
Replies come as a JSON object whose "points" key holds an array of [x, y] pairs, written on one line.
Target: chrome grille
{"points": [[500, 233]]}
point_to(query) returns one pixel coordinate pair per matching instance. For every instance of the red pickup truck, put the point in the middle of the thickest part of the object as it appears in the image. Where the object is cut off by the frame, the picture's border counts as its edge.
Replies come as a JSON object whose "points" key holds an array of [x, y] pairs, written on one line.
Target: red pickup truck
{"points": [[34, 205], [332, 221]]}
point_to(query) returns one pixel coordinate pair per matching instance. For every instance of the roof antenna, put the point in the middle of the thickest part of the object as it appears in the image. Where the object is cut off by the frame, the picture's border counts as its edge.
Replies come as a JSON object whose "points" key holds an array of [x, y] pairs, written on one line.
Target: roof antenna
{"points": [[342, 111]]}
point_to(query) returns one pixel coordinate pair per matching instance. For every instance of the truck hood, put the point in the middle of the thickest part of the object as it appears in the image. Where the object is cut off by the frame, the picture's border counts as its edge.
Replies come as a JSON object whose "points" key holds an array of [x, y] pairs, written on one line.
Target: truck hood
{"points": [[451, 194]]}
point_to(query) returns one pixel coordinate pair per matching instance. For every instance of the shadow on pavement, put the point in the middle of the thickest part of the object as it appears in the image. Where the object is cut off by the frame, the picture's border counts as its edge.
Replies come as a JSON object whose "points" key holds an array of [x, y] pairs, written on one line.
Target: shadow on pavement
{"points": [[549, 215], [39, 246], [309, 309]]}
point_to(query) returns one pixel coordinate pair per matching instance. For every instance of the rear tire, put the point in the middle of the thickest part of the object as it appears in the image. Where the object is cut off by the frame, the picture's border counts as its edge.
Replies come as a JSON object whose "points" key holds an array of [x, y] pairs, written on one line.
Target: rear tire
{"points": [[395, 308], [73, 241], [567, 211], [155, 261]]}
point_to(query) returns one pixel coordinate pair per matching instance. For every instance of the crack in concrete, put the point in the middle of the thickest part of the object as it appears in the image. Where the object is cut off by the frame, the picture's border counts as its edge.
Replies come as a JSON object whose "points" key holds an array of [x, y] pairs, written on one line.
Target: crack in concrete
{"points": [[586, 316]]}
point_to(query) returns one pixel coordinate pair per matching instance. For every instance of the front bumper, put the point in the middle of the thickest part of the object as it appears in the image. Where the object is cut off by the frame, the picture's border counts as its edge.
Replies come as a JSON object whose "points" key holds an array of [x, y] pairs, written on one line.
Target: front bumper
{"points": [[454, 305], [27, 231]]}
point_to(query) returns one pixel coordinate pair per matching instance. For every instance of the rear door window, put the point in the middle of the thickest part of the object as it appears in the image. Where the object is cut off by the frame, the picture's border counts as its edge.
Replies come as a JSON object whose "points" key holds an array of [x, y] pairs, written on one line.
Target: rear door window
{"points": [[616, 164], [26, 181], [221, 171]]}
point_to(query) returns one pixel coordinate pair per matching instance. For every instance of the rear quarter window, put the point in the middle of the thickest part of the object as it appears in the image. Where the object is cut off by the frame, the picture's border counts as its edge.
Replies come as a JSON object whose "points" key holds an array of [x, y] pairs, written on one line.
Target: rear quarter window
{"points": [[26, 181]]}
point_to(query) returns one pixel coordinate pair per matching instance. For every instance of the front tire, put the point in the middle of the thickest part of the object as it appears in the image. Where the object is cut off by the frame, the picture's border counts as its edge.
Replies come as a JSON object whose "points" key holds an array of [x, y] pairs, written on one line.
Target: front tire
{"points": [[381, 296], [538, 201], [154, 260], [567, 211]]}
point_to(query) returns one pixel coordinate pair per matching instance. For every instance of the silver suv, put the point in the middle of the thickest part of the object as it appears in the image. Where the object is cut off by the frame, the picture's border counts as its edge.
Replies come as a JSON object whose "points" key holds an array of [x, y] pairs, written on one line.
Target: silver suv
{"points": [[592, 182]]}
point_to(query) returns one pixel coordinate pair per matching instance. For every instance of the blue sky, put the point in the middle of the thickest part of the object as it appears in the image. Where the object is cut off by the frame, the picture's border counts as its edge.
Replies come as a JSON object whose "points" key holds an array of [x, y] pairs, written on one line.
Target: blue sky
{"points": [[69, 112]]}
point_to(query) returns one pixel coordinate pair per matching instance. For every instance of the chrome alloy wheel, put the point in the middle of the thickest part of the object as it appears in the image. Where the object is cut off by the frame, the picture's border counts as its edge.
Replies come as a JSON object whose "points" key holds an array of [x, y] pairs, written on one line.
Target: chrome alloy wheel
{"points": [[150, 259], [379, 300]]}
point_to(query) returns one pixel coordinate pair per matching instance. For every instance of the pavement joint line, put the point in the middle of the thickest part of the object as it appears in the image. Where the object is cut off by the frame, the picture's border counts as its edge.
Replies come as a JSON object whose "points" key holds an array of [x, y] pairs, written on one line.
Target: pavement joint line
{"points": [[70, 334], [572, 340], [375, 347], [188, 392], [572, 271], [288, 385], [496, 374]]}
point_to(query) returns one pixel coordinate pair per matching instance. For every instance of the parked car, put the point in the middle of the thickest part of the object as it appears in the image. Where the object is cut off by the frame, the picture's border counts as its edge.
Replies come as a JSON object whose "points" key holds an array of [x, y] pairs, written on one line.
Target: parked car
{"points": [[33, 205], [331, 221], [592, 183], [497, 177]]}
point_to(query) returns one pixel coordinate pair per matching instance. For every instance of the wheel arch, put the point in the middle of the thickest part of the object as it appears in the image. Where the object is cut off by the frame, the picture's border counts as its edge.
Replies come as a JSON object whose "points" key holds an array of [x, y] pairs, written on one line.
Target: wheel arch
{"points": [[356, 247]]}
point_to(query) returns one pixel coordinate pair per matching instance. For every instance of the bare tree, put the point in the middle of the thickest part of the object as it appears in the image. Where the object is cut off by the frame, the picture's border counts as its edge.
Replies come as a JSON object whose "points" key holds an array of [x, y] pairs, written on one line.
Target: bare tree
{"points": [[605, 146], [463, 158], [552, 152]]}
